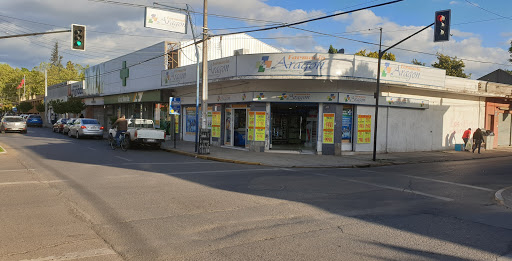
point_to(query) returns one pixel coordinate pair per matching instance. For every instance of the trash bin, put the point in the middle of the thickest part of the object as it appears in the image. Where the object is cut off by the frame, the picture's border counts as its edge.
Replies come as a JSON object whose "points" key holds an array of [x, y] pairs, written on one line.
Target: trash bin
{"points": [[488, 139], [459, 147]]}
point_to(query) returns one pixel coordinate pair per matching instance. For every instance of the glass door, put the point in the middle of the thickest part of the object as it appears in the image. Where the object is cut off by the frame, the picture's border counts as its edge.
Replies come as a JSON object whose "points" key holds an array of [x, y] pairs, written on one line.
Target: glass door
{"points": [[228, 132]]}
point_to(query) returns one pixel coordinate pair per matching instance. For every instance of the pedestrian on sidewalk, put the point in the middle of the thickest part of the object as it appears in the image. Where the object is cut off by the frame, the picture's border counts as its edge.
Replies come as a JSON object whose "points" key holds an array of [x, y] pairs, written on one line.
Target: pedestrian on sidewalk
{"points": [[478, 138], [465, 137]]}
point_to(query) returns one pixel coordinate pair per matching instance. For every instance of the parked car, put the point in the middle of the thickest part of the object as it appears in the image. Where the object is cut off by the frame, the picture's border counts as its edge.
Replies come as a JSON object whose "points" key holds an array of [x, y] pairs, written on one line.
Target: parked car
{"points": [[83, 127], [68, 123], [13, 123], [142, 132], [59, 125], [34, 120]]}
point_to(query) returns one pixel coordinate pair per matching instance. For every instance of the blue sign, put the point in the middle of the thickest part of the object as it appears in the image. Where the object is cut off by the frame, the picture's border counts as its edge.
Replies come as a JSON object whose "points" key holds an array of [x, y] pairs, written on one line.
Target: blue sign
{"points": [[174, 105], [14, 109]]}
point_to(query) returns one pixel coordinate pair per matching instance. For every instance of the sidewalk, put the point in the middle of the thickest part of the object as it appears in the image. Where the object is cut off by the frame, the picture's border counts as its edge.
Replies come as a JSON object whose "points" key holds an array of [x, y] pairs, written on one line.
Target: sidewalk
{"points": [[285, 160]]}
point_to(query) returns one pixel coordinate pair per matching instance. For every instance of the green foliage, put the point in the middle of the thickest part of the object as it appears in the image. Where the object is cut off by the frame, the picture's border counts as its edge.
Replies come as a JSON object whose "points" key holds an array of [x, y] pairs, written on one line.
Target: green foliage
{"points": [[332, 50], [453, 66], [416, 62], [25, 107], [510, 51], [75, 105], [56, 59], [386, 56], [40, 107]]}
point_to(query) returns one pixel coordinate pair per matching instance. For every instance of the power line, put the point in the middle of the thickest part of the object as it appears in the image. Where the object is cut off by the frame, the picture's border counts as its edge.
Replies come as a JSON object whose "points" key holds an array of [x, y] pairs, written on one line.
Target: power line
{"points": [[488, 10]]}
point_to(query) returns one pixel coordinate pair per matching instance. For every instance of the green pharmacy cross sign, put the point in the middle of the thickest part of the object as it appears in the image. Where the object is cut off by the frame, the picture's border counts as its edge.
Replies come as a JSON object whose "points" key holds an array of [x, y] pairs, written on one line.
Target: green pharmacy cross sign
{"points": [[125, 73]]}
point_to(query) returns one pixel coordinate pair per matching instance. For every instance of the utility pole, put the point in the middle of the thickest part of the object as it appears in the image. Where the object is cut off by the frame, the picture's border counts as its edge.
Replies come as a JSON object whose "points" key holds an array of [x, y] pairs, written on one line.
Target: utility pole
{"points": [[204, 105], [24, 90]]}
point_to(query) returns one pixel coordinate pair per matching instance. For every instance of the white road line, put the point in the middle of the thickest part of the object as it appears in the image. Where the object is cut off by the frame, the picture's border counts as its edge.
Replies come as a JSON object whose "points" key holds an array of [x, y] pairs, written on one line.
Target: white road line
{"points": [[123, 158], [389, 187], [172, 163], [9, 170], [447, 182], [91, 148], [30, 182], [217, 171], [76, 255]]}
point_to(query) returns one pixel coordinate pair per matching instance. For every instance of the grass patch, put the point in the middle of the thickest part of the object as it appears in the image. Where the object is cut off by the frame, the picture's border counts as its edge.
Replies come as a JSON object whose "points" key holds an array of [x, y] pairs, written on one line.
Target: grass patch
{"points": [[1, 149]]}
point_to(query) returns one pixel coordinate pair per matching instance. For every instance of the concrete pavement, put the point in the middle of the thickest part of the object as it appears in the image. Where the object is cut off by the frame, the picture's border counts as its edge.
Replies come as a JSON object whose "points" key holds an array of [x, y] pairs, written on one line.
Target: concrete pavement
{"points": [[289, 160]]}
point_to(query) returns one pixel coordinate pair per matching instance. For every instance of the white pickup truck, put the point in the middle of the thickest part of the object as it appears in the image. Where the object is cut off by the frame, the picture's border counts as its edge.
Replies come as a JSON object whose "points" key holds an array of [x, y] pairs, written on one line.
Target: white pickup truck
{"points": [[142, 132]]}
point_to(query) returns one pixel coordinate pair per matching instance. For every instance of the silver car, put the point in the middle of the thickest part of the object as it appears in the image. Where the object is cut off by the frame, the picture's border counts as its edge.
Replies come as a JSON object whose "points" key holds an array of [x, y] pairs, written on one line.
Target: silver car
{"points": [[68, 124], [13, 123], [85, 127]]}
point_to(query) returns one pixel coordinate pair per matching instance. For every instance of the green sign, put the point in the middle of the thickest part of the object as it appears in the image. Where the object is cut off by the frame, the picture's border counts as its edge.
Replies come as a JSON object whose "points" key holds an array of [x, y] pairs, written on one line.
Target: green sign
{"points": [[148, 96]]}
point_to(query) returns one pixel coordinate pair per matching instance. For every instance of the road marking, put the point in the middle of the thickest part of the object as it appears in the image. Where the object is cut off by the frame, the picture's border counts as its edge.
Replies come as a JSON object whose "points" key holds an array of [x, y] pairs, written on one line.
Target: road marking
{"points": [[119, 157], [30, 182], [447, 182], [77, 255], [172, 163], [217, 171], [388, 187], [9, 170], [91, 148]]}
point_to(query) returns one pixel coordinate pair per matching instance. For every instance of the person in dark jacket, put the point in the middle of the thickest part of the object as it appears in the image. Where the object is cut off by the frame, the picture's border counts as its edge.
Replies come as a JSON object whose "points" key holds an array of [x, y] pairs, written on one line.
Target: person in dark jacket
{"points": [[478, 138]]}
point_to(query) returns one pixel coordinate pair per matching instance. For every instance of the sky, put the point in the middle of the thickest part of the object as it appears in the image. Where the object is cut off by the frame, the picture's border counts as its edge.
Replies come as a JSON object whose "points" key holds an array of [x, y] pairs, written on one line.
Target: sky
{"points": [[481, 29]]}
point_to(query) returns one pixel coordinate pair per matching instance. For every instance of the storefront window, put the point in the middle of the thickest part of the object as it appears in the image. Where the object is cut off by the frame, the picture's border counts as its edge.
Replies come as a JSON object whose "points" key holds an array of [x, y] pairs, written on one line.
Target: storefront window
{"points": [[346, 123]]}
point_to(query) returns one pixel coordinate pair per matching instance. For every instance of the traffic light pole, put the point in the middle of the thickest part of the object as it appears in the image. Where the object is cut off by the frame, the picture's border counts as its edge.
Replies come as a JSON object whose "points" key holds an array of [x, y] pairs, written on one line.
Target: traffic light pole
{"points": [[22, 35], [377, 92]]}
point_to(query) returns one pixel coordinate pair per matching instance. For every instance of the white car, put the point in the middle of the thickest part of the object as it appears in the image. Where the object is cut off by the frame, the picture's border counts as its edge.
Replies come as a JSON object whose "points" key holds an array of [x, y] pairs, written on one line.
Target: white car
{"points": [[13, 123], [142, 132]]}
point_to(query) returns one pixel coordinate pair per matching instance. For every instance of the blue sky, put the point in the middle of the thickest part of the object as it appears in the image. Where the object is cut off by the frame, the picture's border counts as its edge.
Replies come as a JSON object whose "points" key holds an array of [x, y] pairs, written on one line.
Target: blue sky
{"points": [[482, 29]]}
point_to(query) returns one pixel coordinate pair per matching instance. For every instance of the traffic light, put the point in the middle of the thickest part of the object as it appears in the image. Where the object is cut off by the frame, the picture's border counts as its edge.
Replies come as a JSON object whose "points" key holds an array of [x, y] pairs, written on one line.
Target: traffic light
{"points": [[78, 37], [442, 26]]}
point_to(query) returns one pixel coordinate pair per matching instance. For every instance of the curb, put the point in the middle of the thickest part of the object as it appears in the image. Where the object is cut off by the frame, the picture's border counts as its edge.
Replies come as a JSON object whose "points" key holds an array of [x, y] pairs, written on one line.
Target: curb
{"points": [[499, 197]]}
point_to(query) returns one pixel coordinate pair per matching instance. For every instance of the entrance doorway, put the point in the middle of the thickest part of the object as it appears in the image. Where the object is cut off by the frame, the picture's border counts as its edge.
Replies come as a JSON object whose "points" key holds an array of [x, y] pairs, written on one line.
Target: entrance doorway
{"points": [[236, 127], [294, 126]]}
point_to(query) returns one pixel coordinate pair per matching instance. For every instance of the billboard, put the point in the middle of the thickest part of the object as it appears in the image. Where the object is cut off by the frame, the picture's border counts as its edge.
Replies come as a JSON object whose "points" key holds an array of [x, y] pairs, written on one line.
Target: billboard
{"points": [[165, 20]]}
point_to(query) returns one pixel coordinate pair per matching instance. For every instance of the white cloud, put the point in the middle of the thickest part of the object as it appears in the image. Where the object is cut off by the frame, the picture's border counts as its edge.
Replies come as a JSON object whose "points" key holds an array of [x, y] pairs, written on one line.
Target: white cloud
{"points": [[454, 2]]}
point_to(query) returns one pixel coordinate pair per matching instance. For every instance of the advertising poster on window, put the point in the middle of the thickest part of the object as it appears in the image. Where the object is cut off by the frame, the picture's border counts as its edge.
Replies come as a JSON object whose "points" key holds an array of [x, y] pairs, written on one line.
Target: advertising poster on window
{"points": [[346, 125], [216, 124], [364, 128], [260, 125], [191, 121], [328, 133], [250, 126], [176, 124]]}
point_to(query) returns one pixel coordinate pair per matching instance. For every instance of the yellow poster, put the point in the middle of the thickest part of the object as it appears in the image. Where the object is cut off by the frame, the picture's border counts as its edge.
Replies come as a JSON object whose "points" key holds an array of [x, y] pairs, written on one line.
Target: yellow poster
{"points": [[364, 128], [176, 123], [260, 126], [216, 124], [250, 126], [328, 131]]}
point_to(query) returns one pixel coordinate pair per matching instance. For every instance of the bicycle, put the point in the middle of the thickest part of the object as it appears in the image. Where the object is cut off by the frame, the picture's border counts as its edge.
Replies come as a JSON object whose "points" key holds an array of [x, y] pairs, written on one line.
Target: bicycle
{"points": [[124, 142]]}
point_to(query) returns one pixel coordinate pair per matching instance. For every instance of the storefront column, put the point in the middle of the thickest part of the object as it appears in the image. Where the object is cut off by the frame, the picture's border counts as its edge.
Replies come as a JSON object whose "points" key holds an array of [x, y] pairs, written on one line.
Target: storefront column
{"points": [[320, 128], [267, 127]]}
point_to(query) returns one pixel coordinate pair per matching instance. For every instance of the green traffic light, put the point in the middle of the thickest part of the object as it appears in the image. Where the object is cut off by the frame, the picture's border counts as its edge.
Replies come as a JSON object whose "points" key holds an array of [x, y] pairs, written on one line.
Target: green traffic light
{"points": [[78, 43]]}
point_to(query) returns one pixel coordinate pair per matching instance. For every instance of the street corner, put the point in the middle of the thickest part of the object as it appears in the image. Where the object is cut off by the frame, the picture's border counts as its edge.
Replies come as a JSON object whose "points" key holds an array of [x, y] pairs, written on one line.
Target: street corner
{"points": [[504, 196]]}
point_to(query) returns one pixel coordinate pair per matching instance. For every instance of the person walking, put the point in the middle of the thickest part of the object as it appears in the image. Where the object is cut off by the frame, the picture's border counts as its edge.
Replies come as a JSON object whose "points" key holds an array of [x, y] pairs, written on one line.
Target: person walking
{"points": [[465, 137], [478, 138]]}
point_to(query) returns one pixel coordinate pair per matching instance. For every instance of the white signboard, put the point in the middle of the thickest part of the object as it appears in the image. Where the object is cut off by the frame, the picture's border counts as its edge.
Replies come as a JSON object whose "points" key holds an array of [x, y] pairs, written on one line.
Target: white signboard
{"points": [[399, 72], [295, 97], [217, 69], [222, 98], [350, 98], [295, 64], [404, 102], [165, 20], [222, 68]]}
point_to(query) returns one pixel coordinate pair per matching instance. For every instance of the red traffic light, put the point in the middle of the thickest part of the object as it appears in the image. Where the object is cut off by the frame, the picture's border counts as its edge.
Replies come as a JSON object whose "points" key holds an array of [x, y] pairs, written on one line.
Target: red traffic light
{"points": [[440, 18]]}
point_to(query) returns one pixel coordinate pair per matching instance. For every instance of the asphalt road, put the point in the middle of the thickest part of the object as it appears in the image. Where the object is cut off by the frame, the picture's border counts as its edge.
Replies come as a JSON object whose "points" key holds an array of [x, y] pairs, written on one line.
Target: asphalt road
{"points": [[68, 199]]}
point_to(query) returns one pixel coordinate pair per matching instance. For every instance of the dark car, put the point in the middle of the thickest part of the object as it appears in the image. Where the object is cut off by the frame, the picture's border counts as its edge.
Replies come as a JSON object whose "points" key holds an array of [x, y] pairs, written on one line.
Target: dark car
{"points": [[34, 120], [59, 125]]}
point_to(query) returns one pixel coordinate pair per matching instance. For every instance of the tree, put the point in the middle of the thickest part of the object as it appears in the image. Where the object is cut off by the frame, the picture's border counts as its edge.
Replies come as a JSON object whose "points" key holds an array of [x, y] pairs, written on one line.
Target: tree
{"points": [[56, 59], [75, 105], [510, 51], [332, 50], [25, 106], [40, 107], [416, 62], [453, 66], [386, 56]]}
